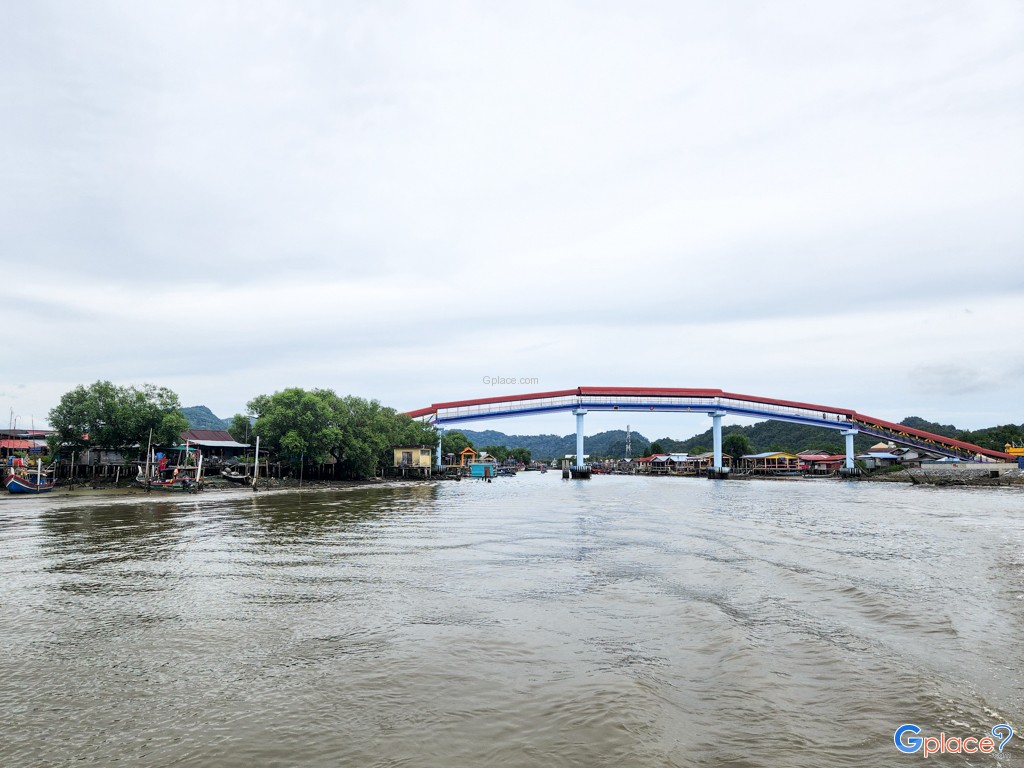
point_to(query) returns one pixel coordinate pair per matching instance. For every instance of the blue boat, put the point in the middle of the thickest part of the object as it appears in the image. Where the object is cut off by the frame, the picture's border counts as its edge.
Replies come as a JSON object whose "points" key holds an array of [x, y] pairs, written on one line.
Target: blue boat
{"points": [[28, 482]]}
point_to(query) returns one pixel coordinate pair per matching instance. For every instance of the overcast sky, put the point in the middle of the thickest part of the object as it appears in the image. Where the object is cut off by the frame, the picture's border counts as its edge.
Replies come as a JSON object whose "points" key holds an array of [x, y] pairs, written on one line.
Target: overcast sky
{"points": [[811, 201]]}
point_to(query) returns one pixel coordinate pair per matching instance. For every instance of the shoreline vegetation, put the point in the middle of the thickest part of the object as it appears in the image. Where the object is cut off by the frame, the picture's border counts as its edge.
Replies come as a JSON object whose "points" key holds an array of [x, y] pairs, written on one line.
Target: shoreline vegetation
{"points": [[963, 476], [126, 426], [329, 438]]}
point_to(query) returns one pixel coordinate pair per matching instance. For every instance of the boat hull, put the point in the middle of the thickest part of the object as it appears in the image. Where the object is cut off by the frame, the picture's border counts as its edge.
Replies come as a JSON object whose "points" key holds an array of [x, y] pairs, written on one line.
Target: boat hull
{"points": [[19, 484], [178, 484]]}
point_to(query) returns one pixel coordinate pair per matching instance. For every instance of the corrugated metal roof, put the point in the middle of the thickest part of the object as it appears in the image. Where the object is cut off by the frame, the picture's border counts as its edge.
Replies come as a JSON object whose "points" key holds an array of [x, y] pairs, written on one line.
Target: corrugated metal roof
{"points": [[212, 438], [195, 435]]}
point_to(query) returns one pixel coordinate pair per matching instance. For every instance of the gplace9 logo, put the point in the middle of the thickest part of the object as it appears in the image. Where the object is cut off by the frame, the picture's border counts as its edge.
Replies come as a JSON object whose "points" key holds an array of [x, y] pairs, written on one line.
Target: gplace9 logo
{"points": [[908, 741]]}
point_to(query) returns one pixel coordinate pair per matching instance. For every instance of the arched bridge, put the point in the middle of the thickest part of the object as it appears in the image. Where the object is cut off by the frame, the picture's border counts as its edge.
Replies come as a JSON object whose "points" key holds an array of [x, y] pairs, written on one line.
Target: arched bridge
{"points": [[714, 402]]}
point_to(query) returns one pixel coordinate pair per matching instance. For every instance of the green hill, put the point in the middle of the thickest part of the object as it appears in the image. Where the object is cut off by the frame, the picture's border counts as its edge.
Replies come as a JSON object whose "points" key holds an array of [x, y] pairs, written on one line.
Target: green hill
{"points": [[201, 417], [989, 437], [610, 444], [773, 436], [763, 436], [784, 436]]}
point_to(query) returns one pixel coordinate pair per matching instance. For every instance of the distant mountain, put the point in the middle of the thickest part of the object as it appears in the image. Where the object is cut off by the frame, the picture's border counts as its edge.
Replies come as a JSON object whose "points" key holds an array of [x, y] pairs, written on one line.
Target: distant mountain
{"points": [[763, 436], [773, 436], [201, 417], [946, 430], [610, 444], [989, 437]]}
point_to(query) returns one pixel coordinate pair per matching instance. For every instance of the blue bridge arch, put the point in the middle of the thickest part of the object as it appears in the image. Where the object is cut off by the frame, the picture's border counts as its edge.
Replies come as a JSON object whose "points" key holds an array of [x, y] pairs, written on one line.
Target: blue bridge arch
{"points": [[714, 402]]}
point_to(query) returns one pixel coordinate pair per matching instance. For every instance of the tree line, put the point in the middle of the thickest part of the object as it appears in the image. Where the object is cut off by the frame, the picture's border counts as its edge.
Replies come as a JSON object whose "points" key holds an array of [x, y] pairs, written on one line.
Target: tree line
{"points": [[319, 426], [314, 426], [454, 442]]}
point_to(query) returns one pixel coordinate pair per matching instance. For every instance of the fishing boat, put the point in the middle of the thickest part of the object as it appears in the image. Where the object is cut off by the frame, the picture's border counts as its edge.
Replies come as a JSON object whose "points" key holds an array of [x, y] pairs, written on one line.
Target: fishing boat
{"points": [[234, 476], [187, 479], [21, 480]]}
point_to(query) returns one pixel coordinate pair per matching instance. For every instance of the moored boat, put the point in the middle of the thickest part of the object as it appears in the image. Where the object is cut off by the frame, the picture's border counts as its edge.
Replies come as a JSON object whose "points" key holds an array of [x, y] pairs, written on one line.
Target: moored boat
{"points": [[182, 479], [25, 481], [188, 478], [233, 476]]}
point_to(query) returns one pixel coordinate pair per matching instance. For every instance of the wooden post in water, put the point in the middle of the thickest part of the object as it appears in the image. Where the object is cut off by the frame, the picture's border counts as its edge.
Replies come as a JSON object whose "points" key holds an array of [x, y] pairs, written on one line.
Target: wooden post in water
{"points": [[149, 447], [256, 465]]}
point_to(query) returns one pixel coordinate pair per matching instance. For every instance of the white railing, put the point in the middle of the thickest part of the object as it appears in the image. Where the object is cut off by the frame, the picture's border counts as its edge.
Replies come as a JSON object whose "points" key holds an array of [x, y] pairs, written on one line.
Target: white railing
{"points": [[612, 402]]}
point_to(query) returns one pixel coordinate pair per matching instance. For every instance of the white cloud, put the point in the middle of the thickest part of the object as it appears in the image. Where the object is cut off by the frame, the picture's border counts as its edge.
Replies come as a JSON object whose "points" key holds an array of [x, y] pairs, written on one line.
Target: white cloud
{"points": [[230, 199]]}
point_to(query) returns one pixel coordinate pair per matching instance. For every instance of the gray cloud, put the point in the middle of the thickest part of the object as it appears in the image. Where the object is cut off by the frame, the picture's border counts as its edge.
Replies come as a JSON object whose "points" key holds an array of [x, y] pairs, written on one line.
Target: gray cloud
{"points": [[951, 380], [338, 194]]}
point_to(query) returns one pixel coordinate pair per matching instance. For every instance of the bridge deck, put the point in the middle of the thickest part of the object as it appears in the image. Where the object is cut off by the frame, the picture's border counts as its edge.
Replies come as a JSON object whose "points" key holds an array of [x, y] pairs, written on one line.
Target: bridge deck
{"points": [[650, 399]]}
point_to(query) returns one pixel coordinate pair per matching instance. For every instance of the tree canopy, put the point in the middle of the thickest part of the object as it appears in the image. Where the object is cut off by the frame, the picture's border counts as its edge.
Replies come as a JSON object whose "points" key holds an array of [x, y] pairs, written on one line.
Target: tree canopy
{"points": [[240, 428], [499, 452], [320, 425], [297, 423], [117, 418], [736, 444], [454, 442], [521, 455]]}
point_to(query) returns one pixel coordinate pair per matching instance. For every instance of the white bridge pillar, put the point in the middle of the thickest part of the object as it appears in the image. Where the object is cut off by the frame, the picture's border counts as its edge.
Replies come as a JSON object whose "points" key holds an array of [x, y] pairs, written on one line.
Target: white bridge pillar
{"points": [[849, 435], [440, 459], [580, 413], [716, 433]]}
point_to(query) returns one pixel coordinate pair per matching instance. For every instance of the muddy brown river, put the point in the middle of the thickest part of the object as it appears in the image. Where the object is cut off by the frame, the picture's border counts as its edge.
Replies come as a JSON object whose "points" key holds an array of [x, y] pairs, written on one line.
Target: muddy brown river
{"points": [[621, 621]]}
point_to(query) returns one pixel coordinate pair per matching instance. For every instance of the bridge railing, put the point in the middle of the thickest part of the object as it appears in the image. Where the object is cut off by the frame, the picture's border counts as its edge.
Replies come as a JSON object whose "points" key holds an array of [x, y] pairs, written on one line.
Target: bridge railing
{"points": [[510, 407], [948, 448], [637, 402], [641, 402], [840, 420]]}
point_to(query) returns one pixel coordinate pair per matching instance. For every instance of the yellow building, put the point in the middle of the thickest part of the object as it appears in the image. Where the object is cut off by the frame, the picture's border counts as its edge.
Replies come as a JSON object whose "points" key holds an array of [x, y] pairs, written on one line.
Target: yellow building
{"points": [[419, 456], [771, 463]]}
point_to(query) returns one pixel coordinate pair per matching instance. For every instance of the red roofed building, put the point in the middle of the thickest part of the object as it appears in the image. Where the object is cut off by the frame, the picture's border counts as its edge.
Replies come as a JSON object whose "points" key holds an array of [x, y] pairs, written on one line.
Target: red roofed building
{"points": [[215, 443]]}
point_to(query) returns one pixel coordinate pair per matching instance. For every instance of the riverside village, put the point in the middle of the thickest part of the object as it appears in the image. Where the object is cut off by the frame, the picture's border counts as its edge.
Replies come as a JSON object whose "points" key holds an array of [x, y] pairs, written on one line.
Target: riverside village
{"points": [[189, 450]]}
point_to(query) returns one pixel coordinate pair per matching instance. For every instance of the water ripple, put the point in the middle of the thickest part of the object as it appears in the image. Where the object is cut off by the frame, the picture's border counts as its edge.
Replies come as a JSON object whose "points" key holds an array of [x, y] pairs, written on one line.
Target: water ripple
{"points": [[525, 622]]}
